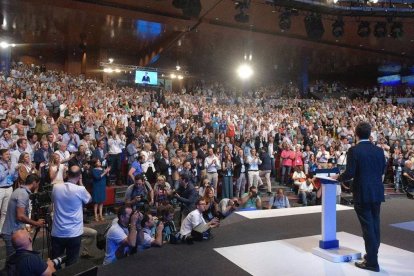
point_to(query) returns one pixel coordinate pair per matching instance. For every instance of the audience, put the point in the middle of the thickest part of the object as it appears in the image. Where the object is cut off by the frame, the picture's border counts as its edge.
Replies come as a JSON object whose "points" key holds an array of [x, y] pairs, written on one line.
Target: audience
{"points": [[164, 145]]}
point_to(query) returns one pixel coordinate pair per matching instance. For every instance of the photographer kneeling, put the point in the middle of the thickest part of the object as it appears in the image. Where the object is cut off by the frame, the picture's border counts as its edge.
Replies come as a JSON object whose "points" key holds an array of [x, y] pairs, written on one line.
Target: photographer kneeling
{"points": [[122, 235], [25, 261], [18, 211]]}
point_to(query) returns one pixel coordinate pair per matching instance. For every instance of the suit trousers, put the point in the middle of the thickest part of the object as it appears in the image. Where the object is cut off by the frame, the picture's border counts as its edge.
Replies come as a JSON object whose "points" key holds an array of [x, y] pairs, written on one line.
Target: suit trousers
{"points": [[369, 218]]}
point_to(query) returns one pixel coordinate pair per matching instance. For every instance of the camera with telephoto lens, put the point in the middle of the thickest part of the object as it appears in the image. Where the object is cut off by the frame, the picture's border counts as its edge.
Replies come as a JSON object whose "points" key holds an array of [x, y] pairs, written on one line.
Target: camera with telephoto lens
{"points": [[57, 263]]}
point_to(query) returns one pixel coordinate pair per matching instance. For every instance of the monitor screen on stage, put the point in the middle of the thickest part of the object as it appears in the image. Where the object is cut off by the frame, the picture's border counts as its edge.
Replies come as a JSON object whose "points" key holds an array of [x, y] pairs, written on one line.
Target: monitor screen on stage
{"points": [[146, 77]]}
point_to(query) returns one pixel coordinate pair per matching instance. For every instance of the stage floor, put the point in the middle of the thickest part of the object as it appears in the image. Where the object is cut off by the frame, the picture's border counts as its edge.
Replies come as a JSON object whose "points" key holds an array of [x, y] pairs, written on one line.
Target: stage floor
{"points": [[278, 242]]}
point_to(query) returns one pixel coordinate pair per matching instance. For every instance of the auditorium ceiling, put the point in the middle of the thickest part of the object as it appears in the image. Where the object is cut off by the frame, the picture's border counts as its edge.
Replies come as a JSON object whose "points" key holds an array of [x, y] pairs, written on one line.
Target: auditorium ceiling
{"points": [[155, 33]]}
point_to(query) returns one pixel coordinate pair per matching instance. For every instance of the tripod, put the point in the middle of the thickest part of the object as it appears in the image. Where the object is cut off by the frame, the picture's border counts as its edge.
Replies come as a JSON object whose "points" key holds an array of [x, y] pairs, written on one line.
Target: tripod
{"points": [[46, 234]]}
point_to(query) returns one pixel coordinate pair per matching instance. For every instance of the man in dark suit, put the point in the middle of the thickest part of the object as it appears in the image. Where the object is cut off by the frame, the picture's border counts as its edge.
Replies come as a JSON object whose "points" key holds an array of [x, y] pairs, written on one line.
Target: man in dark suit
{"points": [[366, 165]]}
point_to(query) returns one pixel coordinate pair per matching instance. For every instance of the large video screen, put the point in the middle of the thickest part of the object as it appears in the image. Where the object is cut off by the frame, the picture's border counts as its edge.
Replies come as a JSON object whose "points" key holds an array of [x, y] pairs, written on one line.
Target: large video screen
{"points": [[146, 77]]}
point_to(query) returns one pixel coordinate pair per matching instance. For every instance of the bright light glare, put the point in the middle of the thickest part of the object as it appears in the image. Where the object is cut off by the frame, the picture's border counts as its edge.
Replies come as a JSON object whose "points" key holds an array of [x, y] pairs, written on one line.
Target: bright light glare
{"points": [[111, 60], [4, 44], [180, 77], [375, 1], [117, 70], [335, 1], [178, 67], [173, 76], [245, 71], [108, 70]]}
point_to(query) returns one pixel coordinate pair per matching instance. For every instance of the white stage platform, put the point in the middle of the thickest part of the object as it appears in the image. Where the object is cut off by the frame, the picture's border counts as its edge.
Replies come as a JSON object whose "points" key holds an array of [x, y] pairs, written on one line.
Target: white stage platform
{"points": [[259, 214], [294, 257]]}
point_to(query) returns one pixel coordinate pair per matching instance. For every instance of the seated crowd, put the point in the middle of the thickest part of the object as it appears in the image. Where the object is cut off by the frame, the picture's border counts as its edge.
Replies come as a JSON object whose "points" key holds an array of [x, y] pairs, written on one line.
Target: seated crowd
{"points": [[201, 150]]}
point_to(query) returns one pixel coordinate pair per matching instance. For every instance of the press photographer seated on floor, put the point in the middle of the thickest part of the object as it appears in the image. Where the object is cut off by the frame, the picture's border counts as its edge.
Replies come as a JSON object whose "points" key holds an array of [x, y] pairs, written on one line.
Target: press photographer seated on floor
{"points": [[194, 226], [408, 179]]}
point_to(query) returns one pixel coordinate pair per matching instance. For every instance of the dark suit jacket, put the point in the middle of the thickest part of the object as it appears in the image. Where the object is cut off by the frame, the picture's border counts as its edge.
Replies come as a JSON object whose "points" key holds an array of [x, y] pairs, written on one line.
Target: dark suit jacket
{"points": [[97, 154], [238, 166], [366, 165], [162, 167]]}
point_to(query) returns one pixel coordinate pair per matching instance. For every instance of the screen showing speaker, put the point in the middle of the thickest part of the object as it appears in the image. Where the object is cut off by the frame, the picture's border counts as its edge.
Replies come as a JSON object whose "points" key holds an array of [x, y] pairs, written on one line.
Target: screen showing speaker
{"points": [[146, 77]]}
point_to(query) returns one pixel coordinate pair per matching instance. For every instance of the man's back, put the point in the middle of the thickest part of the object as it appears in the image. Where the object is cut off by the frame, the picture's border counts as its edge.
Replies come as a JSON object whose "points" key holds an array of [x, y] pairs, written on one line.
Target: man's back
{"points": [[367, 164], [68, 200]]}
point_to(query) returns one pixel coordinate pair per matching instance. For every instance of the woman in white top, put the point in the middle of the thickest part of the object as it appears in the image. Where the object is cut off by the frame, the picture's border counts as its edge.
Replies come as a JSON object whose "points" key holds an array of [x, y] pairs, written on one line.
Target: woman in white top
{"points": [[57, 171]]}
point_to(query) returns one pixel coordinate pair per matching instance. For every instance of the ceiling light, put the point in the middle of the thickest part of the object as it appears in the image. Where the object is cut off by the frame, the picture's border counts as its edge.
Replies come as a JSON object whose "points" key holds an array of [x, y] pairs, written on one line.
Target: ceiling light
{"points": [[314, 26], [111, 60], [396, 30], [338, 28], [4, 44], [364, 29], [380, 29], [173, 76], [180, 77], [284, 21]]}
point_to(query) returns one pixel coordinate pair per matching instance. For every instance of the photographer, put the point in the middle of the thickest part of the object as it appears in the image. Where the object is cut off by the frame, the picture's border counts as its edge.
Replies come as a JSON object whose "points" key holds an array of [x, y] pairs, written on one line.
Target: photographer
{"points": [[227, 206], [145, 237], [68, 199], [18, 211], [122, 235], [26, 261], [251, 200], [139, 194]]}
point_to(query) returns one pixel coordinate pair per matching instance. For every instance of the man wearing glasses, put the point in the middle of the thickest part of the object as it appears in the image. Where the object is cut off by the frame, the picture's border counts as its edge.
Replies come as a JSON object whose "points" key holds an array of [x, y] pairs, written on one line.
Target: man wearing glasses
{"points": [[195, 221]]}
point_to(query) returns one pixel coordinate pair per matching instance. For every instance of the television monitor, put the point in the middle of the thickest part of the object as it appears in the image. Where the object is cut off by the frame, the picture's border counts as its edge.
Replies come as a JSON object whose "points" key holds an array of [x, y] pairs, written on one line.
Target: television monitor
{"points": [[389, 80], [146, 77]]}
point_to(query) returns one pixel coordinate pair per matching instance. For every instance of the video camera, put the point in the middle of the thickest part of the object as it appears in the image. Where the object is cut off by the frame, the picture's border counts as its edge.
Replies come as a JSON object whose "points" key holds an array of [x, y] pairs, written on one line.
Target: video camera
{"points": [[41, 202]]}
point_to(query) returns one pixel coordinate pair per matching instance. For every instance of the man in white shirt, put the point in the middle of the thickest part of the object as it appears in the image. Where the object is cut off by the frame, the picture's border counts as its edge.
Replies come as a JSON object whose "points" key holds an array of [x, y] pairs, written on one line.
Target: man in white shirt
{"points": [[212, 164], [68, 199], [122, 235], [63, 153], [195, 219]]}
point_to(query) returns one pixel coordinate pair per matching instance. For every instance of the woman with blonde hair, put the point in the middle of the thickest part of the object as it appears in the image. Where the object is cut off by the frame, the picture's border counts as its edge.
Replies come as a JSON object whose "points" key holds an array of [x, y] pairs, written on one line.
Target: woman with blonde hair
{"points": [[25, 167], [57, 171]]}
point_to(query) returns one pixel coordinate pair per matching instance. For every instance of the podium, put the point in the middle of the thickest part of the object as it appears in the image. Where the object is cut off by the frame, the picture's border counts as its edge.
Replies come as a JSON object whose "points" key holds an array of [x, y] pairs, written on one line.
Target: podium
{"points": [[329, 247]]}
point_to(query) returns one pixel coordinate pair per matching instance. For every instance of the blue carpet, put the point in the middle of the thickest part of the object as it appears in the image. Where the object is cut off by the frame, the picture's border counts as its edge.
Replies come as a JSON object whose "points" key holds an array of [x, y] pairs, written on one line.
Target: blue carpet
{"points": [[409, 225]]}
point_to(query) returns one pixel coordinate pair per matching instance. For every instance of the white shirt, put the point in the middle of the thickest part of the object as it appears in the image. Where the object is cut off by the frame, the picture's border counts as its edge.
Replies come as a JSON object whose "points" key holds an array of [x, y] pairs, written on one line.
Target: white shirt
{"points": [[114, 146], [68, 200], [191, 221], [114, 238], [210, 166]]}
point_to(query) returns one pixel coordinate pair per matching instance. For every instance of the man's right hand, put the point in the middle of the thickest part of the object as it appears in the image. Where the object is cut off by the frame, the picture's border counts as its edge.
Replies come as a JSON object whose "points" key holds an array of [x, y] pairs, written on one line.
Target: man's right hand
{"points": [[40, 223]]}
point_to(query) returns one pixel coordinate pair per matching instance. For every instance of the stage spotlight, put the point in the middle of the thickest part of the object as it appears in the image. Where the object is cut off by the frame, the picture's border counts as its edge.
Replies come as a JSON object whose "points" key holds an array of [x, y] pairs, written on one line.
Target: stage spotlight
{"points": [[4, 45], [314, 26], [338, 28], [117, 70], [108, 70], [284, 21], [242, 6], [173, 76], [364, 29], [180, 77], [380, 29], [111, 60], [397, 30], [242, 17], [190, 8], [244, 71]]}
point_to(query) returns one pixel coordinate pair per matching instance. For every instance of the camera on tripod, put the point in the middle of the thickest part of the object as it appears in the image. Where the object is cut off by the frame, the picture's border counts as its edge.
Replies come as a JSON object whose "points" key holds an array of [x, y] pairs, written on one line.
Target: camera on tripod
{"points": [[41, 202]]}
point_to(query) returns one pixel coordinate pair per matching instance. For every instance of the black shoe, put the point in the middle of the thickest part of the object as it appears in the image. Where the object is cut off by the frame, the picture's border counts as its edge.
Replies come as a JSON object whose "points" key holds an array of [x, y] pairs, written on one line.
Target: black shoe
{"points": [[363, 265], [189, 240]]}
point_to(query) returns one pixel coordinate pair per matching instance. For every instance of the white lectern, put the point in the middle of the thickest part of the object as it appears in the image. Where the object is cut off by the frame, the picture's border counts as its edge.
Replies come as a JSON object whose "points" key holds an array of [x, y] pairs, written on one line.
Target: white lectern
{"points": [[329, 247]]}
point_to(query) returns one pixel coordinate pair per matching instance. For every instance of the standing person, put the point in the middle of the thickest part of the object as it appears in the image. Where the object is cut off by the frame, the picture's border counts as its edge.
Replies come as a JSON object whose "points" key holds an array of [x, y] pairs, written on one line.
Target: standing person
{"points": [[366, 165], [212, 165], [68, 199], [240, 173], [99, 184], [7, 176], [227, 168], [253, 173]]}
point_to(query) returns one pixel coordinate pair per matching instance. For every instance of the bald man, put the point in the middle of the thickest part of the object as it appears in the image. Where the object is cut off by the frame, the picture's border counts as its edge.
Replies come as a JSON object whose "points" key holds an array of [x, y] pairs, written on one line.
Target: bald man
{"points": [[25, 261]]}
